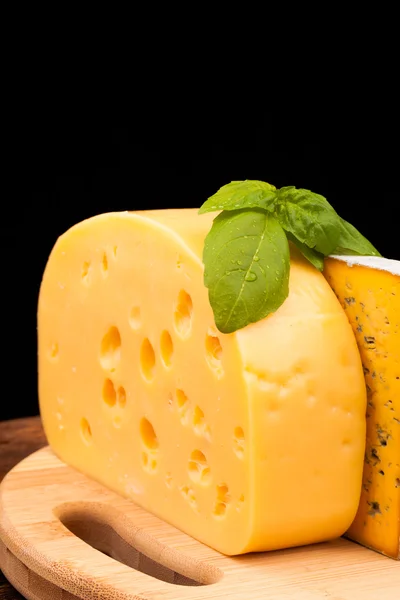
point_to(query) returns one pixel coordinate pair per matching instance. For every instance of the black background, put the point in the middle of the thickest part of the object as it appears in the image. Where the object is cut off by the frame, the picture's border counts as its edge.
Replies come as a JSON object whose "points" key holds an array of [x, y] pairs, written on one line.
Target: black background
{"points": [[64, 175]]}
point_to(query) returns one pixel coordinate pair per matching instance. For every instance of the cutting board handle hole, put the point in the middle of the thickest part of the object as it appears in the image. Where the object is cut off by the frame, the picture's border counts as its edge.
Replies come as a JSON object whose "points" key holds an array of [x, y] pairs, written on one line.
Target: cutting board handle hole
{"points": [[106, 530]]}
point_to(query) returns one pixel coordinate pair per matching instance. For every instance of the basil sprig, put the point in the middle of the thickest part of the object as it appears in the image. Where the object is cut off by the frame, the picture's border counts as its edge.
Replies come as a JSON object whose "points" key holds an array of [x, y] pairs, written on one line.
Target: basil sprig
{"points": [[246, 252]]}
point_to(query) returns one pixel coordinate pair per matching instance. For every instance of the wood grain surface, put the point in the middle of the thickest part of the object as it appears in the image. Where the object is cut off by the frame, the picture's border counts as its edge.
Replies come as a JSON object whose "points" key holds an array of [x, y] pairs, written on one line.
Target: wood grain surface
{"points": [[18, 439], [80, 540]]}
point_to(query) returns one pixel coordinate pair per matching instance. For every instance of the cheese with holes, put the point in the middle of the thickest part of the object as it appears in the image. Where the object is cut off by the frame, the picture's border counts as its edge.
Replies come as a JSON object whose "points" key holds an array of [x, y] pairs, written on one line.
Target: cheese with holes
{"points": [[247, 442], [369, 291]]}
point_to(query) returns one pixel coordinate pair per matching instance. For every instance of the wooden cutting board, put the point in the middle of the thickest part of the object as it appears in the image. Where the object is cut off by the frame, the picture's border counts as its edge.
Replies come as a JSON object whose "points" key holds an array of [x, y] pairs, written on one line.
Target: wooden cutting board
{"points": [[64, 537]]}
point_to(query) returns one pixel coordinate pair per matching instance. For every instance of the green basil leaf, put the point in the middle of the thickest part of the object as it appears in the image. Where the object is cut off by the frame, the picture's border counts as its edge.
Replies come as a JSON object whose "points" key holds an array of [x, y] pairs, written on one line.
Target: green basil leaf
{"points": [[247, 263], [241, 194], [351, 241], [315, 258], [309, 217]]}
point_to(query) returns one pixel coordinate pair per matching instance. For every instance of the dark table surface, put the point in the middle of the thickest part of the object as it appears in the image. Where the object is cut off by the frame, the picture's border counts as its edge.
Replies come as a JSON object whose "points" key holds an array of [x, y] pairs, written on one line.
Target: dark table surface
{"points": [[18, 438]]}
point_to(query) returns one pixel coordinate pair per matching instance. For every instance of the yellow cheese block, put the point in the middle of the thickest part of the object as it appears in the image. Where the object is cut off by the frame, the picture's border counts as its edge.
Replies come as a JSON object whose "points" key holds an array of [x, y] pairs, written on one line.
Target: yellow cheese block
{"points": [[369, 291], [249, 441]]}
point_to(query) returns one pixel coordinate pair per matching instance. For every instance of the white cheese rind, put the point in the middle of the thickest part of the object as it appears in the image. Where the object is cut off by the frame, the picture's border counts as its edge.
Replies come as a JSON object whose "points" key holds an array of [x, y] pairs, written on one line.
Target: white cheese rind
{"points": [[374, 262]]}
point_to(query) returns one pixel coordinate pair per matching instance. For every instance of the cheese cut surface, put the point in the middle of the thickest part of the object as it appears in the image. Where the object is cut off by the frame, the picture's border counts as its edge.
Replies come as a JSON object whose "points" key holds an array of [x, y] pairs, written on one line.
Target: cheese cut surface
{"points": [[369, 291], [247, 442]]}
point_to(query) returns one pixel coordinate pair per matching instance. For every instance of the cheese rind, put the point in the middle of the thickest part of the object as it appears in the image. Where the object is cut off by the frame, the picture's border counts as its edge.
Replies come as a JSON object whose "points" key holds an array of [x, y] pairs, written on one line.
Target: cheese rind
{"points": [[249, 441], [369, 291]]}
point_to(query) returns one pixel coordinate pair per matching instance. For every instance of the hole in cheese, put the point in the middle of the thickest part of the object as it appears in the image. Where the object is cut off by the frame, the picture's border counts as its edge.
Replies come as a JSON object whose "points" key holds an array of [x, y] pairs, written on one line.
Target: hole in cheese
{"points": [[238, 442], [214, 353], [199, 423], [183, 314], [198, 420], [189, 495], [110, 349], [149, 462], [86, 273], [220, 509], [148, 434], [86, 431], [147, 359], [240, 503], [183, 405], [134, 317], [104, 265], [223, 500], [199, 470], [109, 393], [121, 396], [167, 348], [223, 492]]}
